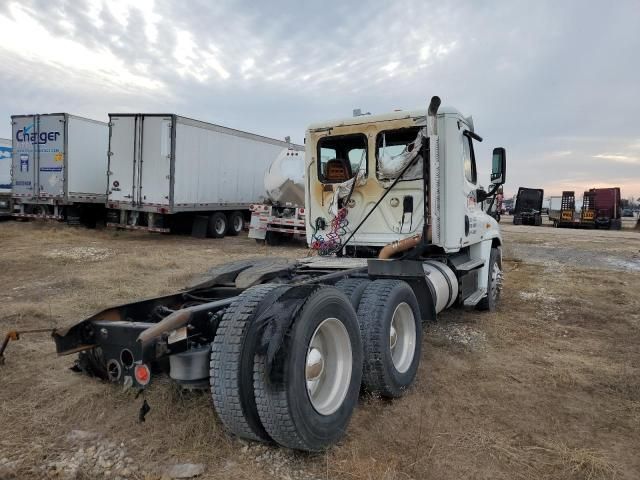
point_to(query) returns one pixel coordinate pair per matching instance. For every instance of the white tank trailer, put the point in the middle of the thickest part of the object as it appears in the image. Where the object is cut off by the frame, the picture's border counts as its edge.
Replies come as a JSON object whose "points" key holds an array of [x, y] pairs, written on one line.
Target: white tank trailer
{"points": [[168, 172], [59, 164], [282, 214], [286, 346]]}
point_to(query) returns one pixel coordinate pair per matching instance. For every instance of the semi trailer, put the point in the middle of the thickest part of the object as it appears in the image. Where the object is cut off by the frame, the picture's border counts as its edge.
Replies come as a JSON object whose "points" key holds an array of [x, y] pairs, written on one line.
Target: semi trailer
{"points": [[608, 212], [528, 207], [588, 210], [58, 168], [5, 178], [284, 346], [168, 172], [282, 215]]}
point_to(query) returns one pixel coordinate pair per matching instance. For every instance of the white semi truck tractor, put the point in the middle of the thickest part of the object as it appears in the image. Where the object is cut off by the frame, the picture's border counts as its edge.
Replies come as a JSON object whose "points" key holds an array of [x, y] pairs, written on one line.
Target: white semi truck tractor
{"points": [[285, 346]]}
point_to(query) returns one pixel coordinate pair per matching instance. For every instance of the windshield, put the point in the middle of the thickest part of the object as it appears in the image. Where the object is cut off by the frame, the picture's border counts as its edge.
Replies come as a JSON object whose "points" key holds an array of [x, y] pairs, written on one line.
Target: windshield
{"points": [[394, 149], [341, 156]]}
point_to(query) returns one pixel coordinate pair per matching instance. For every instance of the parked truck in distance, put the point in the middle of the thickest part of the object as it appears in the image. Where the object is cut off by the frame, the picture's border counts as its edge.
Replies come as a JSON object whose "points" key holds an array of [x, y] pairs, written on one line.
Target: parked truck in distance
{"points": [[58, 167], [600, 209], [281, 215], [528, 206], [168, 172], [5, 178], [607, 208], [285, 346]]}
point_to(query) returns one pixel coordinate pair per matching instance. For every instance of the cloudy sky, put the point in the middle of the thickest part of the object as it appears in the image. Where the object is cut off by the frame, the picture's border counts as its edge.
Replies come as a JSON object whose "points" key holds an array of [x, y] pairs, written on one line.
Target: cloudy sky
{"points": [[557, 83]]}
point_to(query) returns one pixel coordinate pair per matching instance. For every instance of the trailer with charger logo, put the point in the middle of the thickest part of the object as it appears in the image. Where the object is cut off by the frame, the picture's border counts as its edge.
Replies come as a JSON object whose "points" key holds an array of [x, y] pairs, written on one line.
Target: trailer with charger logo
{"points": [[59, 167], [393, 210]]}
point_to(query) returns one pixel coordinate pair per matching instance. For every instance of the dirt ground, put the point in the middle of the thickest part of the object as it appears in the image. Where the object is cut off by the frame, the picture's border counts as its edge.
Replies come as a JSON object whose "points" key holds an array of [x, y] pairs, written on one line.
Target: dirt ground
{"points": [[548, 387]]}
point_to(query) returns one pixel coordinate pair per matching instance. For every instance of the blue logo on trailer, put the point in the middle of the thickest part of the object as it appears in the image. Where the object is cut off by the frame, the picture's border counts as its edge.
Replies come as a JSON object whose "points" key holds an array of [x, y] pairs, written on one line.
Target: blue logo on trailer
{"points": [[41, 138], [24, 162]]}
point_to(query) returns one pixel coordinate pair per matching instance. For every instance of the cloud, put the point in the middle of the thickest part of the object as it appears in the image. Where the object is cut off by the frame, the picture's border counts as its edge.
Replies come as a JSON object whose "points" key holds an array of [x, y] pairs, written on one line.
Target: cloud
{"points": [[526, 71], [617, 158]]}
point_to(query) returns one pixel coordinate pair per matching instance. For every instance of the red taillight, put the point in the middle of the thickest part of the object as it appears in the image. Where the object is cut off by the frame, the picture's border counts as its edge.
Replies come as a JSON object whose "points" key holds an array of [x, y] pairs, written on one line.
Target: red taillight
{"points": [[142, 374]]}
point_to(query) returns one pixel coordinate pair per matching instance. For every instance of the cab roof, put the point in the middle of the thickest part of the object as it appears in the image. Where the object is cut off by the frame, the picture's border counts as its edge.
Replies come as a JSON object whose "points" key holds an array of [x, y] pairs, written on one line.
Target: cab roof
{"points": [[398, 115]]}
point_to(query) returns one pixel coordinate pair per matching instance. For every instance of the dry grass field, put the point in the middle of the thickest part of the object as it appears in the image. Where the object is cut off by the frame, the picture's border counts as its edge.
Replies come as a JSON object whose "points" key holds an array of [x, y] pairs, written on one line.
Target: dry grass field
{"points": [[548, 387]]}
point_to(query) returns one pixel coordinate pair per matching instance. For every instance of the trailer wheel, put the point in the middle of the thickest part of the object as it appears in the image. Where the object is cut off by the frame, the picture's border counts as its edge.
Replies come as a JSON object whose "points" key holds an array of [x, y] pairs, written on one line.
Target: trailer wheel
{"points": [[308, 406], [236, 223], [231, 366], [353, 288], [391, 329], [494, 285], [217, 225], [517, 220]]}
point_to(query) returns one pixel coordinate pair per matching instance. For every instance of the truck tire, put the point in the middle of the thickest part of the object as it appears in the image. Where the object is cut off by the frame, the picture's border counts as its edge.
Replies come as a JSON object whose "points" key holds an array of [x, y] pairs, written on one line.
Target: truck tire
{"points": [[217, 226], [309, 406], [353, 288], [236, 223], [517, 220], [231, 366], [538, 221], [391, 329], [490, 302]]}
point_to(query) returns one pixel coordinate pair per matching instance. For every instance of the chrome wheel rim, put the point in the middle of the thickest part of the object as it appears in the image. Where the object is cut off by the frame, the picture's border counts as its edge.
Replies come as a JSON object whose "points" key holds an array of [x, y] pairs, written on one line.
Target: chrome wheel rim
{"points": [[220, 226], [402, 337], [237, 223], [328, 366]]}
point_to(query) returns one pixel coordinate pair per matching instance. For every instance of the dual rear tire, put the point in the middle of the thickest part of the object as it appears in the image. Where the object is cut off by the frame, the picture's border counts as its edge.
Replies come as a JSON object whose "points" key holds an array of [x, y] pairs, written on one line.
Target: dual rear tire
{"points": [[221, 224], [304, 399], [307, 402]]}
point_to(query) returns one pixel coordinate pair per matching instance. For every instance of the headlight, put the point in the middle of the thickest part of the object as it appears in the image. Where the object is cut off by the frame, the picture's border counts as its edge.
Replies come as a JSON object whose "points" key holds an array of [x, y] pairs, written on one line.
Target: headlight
{"points": [[4, 203]]}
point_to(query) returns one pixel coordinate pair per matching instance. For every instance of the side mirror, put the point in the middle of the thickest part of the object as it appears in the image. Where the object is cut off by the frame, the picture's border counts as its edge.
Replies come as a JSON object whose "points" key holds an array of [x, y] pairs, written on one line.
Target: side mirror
{"points": [[499, 166]]}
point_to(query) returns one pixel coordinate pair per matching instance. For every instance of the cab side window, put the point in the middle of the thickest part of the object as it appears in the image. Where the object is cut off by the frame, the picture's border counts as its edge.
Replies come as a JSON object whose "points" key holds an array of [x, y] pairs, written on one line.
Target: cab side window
{"points": [[470, 171]]}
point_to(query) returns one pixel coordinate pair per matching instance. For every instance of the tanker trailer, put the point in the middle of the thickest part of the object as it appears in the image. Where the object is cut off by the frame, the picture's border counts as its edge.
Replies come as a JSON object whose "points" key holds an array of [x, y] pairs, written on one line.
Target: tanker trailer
{"points": [[282, 214]]}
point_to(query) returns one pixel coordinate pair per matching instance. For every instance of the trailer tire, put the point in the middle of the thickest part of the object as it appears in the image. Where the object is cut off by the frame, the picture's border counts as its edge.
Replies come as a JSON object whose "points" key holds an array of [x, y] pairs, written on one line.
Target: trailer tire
{"points": [[353, 288], [494, 285], [517, 220], [231, 366], [217, 226], [312, 414], [236, 223], [389, 311]]}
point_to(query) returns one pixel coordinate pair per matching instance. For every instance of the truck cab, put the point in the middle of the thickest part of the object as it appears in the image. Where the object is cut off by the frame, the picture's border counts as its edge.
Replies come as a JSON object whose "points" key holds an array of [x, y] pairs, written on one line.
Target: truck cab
{"points": [[368, 149]]}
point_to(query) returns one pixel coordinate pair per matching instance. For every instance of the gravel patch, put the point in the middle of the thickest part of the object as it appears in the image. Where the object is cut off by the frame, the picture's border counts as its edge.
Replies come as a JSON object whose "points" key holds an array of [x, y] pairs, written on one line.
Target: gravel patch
{"points": [[80, 254]]}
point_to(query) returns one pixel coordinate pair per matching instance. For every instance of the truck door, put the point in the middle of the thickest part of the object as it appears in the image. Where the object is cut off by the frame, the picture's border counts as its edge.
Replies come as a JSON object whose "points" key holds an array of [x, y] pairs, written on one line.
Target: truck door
{"points": [[473, 226], [155, 167], [122, 162], [50, 143], [23, 158]]}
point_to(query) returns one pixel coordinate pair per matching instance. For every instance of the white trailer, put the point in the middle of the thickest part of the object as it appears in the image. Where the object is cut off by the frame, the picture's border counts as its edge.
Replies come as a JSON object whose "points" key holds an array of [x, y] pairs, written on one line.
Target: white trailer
{"points": [[168, 172], [5, 177], [555, 208], [59, 164]]}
